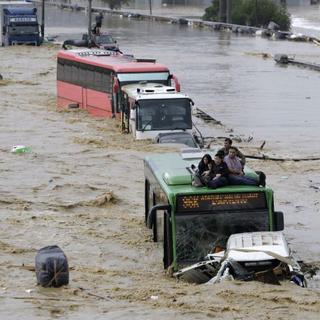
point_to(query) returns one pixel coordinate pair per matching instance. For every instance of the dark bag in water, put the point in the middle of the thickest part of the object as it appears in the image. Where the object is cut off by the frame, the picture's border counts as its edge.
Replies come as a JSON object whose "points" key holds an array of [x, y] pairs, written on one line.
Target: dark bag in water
{"points": [[52, 267]]}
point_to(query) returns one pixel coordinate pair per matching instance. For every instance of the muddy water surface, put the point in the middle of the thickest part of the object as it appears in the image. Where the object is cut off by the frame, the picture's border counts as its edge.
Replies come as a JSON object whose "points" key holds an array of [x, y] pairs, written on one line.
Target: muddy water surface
{"points": [[232, 77], [81, 188]]}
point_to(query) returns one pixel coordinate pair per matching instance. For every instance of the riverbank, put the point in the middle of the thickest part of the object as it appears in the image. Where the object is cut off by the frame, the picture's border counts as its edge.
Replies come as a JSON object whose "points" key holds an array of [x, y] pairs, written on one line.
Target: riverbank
{"points": [[56, 195]]}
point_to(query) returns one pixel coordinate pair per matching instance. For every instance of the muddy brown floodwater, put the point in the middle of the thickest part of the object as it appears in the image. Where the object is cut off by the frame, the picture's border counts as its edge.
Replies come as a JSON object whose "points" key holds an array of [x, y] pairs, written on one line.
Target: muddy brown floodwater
{"points": [[82, 187]]}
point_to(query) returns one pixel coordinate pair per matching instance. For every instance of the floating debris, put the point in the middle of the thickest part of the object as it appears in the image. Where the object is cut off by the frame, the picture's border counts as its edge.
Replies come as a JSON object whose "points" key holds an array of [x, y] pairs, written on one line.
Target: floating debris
{"points": [[20, 149], [285, 59], [205, 116]]}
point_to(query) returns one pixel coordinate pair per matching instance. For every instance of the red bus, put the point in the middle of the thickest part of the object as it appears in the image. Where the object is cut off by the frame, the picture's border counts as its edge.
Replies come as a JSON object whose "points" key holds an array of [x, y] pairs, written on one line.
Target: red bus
{"points": [[91, 79]]}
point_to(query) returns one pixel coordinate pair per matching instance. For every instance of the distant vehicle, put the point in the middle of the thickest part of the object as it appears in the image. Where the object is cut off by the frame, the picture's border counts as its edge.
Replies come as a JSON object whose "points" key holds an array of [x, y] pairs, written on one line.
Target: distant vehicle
{"points": [[185, 138], [19, 23], [284, 59], [103, 41]]}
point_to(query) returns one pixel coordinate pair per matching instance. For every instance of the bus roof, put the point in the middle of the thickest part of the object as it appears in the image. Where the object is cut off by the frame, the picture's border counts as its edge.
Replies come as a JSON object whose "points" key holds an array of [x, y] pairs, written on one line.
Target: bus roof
{"points": [[145, 91], [115, 61], [171, 171]]}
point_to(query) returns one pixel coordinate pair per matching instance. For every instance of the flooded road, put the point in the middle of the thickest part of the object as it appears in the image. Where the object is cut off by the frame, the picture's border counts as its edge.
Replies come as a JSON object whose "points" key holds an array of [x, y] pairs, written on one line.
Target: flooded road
{"points": [[71, 189], [226, 75]]}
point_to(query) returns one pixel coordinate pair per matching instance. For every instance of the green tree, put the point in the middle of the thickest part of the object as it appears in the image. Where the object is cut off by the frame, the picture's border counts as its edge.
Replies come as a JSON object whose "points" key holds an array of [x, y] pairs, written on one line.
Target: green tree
{"points": [[212, 13], [115, 4], [252, 13]]}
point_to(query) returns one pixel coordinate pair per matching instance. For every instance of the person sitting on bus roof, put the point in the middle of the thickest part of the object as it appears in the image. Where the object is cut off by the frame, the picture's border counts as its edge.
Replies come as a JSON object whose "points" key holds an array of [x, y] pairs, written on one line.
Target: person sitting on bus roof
{"points": [[209, 174], [226, 148], [220, 172], [202, 174], [236, 174], [204, 163]]}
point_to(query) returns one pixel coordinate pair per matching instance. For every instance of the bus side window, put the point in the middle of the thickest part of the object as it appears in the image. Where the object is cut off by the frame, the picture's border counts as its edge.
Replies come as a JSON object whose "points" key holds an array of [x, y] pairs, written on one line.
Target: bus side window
{"points": [[75, 74], [90, 78], [149, 199], [60, 70], [82, 76], [98, 84], [106, 82], [67, 73]]}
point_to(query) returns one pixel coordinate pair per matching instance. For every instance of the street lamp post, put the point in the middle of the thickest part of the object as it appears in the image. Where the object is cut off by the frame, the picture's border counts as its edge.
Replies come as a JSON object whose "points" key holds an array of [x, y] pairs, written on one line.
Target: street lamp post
{"points": [[228, 11], [256, 13], [42, 20], [89, 20], [150, 7]]}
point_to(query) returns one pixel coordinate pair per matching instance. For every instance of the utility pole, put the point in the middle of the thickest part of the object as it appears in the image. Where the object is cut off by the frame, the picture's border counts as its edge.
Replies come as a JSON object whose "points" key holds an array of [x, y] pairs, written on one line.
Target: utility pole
{"points": [[228, 11], [222, 10], [89, 20], [150, 7], [256, 13], [42, 20]]}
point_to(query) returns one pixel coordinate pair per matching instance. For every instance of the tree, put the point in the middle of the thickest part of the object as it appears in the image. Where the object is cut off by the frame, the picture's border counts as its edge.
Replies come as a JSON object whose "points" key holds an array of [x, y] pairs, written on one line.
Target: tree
{"points": [[212, 13], [115, 4], [252, 13]]}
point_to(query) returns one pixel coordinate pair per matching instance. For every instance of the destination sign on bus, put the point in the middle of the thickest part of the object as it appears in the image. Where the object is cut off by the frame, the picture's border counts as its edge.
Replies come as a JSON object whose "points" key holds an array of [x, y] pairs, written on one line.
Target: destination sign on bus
{"points": [[221, 201], [23, 19]]}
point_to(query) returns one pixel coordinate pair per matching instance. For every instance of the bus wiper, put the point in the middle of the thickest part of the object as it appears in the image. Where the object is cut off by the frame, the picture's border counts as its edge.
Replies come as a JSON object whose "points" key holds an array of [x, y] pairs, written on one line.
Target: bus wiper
{"points": [[145, 126]]}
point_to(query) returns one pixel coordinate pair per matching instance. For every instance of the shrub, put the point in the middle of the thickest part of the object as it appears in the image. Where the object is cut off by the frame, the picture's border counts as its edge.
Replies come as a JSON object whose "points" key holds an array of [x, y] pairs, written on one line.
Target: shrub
{"points": [[252, 13], [115, 4]]}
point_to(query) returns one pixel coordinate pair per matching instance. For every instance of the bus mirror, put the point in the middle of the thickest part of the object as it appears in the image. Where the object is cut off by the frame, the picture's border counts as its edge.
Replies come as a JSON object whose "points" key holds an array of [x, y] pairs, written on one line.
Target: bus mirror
{"points": [[176, 83], [191, 102], [152, 214], [115, 85], [278, 221]]}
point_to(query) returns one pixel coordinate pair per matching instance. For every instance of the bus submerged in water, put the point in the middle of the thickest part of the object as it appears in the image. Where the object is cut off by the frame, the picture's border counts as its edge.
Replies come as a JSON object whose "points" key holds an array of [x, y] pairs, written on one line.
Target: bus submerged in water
{"points": [[193, 222], [93, 78], [111, 84]]}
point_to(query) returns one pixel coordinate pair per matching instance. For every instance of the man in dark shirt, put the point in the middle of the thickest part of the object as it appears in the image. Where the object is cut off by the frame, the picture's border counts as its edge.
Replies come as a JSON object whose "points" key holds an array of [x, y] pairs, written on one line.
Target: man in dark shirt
{"points": [[227, 146], [220, 172], [98, 25]]}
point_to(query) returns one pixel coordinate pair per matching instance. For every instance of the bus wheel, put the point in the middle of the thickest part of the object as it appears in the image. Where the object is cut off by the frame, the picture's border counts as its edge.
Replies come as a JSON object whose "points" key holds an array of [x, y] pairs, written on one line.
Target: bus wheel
{"points": [[73, 106]]}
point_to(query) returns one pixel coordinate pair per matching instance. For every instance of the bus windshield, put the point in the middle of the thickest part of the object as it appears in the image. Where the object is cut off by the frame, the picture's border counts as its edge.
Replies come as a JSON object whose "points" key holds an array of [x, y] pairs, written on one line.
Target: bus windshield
{"points": [[164, 114], [159, 77], [198, 235]]}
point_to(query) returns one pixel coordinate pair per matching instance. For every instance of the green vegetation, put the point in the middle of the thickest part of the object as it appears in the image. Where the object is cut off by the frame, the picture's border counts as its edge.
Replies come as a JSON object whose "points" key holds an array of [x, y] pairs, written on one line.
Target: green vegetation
{"points": [[252, 13], [115, 4]]}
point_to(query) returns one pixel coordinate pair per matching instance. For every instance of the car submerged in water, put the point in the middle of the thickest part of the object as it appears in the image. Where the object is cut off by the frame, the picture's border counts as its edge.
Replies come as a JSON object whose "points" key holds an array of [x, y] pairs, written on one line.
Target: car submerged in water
{"points": [[184, 138], [102, 41]]}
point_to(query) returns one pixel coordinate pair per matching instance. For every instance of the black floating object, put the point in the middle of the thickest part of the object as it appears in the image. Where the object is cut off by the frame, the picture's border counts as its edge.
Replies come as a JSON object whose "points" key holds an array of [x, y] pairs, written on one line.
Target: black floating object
{"points": [[51, 267]]}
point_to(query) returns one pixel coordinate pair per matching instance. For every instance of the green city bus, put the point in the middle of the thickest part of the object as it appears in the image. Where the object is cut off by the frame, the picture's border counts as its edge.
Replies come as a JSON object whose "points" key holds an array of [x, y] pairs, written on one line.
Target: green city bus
{"points": [[193, 221]]}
